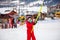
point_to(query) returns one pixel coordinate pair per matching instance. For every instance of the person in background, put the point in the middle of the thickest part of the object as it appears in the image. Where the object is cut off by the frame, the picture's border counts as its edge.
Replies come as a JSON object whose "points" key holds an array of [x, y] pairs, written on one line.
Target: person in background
{"points": [[11, 22], [15, 21], [30, 32], [52, 16]]}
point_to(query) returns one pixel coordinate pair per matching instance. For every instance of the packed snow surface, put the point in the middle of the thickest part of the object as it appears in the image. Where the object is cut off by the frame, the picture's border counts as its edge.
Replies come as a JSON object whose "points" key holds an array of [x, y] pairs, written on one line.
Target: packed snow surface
{"points": [[44, 30]]}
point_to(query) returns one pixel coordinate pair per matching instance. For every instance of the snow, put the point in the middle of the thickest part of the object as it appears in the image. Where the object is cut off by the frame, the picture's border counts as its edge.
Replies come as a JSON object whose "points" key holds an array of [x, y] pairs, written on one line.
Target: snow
{"points": [[44, 30], [30, 7], [35, 2], [2, 10], [44, 8], [13, 34], [23, 3], [35, 9]]}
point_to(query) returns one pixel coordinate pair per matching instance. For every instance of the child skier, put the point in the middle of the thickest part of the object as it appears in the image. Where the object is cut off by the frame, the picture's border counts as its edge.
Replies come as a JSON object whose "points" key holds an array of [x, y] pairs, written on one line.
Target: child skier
{"points": [[30, 33]]}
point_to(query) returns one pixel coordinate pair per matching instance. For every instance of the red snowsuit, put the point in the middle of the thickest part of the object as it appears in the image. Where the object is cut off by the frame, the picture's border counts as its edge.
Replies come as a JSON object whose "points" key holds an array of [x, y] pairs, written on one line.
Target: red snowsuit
{"points": [[29, 29]]}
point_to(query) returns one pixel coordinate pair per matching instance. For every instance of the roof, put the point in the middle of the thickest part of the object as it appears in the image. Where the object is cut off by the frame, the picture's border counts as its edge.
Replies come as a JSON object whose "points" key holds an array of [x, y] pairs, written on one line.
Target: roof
{"points": [[12, 12]]}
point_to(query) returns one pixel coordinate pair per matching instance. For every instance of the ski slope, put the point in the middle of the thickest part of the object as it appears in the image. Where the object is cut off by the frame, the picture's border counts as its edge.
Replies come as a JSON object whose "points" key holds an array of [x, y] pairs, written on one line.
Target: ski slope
{"points": [[44, 30]]}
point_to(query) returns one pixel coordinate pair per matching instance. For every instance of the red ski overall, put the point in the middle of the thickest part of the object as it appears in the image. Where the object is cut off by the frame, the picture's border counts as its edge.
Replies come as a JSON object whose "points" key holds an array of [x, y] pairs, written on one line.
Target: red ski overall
{"points": [[29, 29]]}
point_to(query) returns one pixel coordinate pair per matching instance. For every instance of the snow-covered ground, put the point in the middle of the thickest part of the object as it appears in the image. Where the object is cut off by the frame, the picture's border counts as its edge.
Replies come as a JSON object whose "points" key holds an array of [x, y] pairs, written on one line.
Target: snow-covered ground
{"points": [[44, 30]]}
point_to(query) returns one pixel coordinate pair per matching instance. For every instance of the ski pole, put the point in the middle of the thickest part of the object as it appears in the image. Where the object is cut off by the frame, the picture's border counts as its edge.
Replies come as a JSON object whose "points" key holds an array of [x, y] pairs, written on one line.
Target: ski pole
{"points": [[39, 13]]}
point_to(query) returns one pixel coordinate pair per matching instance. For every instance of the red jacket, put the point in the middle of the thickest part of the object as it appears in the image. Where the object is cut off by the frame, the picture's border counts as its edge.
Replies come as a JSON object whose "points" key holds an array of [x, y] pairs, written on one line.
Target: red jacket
{"points": [[29, 25]]}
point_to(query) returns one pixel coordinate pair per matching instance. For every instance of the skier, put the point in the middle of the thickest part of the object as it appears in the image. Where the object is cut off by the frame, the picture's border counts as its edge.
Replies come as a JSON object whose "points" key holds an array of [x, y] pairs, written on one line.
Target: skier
{"points": [[30, 33]]}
